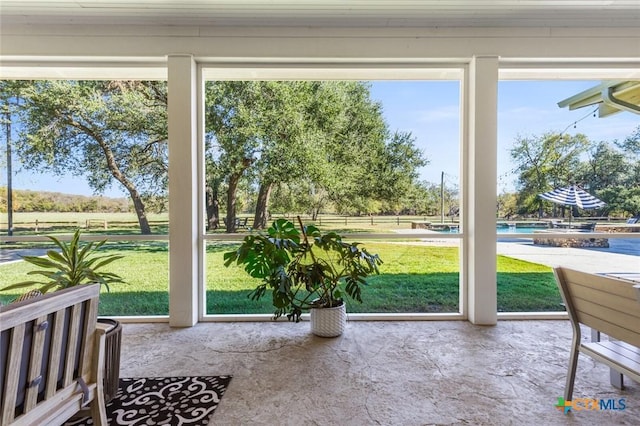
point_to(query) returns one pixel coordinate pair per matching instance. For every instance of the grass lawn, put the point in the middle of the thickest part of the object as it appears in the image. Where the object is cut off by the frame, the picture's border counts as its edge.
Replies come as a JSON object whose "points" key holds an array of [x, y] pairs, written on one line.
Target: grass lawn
{"points": [[414, 278]]}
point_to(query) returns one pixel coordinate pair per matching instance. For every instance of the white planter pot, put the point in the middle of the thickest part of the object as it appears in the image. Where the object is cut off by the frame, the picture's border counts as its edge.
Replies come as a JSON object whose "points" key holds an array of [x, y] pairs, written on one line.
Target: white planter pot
{"points": [[329, 322]]}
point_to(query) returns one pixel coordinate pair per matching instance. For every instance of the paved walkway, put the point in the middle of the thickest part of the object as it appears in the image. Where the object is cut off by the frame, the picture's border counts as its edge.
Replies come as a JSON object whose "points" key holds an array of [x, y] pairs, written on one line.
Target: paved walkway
{"points": [[14, 255], [623, 255], [588, 260]]}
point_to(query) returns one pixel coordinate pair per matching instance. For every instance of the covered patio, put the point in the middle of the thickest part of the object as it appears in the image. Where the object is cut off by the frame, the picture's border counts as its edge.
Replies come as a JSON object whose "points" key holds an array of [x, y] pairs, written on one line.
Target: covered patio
{"points": [[476, 45], [386, 373], [477, 370]]}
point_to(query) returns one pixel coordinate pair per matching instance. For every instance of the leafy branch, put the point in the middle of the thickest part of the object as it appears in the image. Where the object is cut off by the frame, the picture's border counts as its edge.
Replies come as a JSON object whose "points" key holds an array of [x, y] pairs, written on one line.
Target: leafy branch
{"points": [[303, 273], [71, 265]]}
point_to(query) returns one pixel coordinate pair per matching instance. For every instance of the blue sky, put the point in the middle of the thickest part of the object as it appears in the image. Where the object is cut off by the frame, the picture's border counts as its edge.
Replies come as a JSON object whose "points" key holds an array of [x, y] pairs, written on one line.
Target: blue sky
{"points": [[430, 111]]}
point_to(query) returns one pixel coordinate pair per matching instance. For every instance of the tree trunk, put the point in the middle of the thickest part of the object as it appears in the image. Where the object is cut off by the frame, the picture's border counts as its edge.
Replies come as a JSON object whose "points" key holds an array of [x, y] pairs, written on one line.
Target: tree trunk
{"points": [[262, 206], [230, 222], [138, 205], [212, 206], [234, 180]]}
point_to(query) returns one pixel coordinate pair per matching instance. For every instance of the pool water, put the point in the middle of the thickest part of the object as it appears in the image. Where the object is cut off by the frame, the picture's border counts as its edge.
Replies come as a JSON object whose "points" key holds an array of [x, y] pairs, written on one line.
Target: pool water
{"points": [[502, 230], [520, 230]]}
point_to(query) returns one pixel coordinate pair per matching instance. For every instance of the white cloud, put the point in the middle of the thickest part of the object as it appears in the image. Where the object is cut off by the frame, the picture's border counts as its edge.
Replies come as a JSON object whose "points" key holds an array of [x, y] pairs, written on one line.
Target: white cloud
{"points": [[446, 112]]}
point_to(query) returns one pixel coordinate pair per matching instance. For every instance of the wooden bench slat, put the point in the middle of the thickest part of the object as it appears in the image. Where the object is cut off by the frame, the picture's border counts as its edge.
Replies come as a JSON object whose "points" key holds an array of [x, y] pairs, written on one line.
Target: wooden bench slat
{"points": [[72, 344], [612, 330], [12, 374], [604, 298], [55, 353], [47, 411], [623, 349], [48, 303], [35, 364], [624, 329], [599, 282], [89, 330], [99, 411], [613, 359], [608, 313]]}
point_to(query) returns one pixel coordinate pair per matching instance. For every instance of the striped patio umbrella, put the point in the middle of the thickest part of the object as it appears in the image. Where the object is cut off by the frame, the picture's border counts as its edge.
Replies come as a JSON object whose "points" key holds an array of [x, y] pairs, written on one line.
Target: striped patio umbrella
{"points": [[573, 196]]}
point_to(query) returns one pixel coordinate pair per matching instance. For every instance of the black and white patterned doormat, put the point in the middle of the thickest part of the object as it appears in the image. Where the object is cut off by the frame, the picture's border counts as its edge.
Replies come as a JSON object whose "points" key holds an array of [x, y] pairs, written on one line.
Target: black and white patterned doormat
{"points": [[164, 401]]}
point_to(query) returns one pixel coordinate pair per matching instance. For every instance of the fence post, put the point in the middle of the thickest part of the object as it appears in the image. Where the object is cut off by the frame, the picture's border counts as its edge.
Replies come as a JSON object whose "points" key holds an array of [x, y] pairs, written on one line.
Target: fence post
{"points": [[345, 221], [397, 220], [371, 220], [105, 225]]}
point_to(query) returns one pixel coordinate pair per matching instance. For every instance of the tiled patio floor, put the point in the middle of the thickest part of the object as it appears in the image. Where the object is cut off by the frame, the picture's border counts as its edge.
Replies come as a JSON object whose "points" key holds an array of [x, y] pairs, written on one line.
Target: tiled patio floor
{"points": [[382, 373]]}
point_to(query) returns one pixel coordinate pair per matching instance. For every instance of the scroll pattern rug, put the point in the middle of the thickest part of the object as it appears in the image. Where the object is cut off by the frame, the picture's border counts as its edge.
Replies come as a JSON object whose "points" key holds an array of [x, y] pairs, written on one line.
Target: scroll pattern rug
{"points": [[163, 401]]}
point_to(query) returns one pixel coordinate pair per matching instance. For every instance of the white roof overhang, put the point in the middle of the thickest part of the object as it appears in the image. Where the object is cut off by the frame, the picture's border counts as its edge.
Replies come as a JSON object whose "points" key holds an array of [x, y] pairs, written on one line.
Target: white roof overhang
{"points": [[612, 97], [327, 13]]}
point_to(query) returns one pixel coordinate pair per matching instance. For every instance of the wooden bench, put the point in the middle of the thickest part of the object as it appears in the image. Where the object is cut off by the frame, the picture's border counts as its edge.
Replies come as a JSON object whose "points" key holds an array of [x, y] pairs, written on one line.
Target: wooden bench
{"points": [[52, 358], [239, 222], [420, 225], [609, 306]]}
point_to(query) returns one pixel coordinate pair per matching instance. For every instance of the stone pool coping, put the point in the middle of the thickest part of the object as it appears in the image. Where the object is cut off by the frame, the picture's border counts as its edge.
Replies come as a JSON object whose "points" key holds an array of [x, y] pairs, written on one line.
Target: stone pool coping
{"points": [[574, 238]]}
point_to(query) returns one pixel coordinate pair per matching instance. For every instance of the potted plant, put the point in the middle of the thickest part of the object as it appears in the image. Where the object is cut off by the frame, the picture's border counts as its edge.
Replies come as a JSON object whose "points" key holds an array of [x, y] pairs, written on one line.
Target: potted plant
{"points": [[306, 270], [74, 264]]}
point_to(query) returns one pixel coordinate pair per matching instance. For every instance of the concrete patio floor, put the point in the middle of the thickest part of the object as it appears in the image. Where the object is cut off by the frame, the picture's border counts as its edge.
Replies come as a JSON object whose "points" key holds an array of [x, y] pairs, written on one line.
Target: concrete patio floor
{"points": [[382, 373]]}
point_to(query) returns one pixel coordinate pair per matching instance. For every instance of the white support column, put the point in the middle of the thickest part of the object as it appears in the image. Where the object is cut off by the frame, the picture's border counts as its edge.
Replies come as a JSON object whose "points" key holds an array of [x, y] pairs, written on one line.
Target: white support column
{"points": [[480, 243], [183, 201]]}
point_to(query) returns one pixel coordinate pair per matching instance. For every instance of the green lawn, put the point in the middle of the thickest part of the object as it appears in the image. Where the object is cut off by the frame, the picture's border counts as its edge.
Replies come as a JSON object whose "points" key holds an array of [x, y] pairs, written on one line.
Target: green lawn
{"points": [[414, 278]]}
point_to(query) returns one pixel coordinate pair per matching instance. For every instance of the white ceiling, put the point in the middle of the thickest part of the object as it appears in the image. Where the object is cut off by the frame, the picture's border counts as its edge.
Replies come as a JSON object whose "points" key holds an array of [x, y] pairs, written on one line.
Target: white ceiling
{"points": [[338, 13]]}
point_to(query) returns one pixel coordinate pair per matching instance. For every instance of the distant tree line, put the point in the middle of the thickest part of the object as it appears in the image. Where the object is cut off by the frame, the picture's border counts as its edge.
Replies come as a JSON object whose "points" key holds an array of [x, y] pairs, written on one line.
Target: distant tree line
{"points": [[43, 201]]}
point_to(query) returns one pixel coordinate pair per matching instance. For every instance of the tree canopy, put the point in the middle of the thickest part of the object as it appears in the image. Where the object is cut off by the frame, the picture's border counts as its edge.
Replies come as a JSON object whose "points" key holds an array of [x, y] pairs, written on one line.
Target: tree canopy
{"points": [[322, 143], [303, 146], [102, 130], [315, 142], [608, 170]]}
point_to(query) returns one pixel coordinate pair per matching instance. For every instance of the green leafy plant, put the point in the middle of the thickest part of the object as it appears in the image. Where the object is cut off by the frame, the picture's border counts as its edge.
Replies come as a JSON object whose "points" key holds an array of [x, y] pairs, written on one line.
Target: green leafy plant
{"points": [[74, 264], [303, 269]]}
